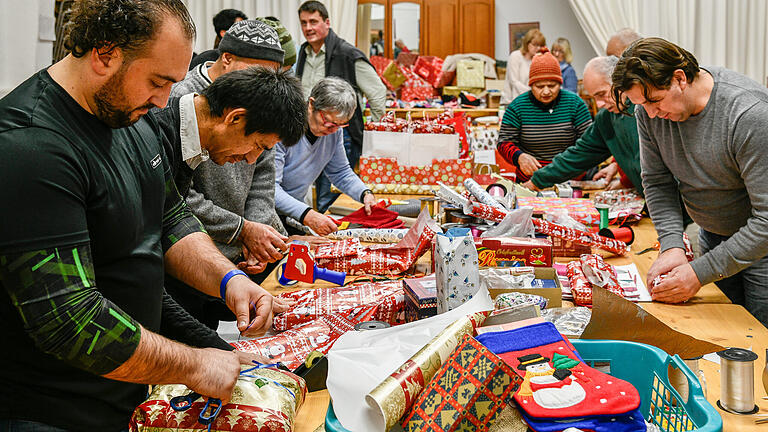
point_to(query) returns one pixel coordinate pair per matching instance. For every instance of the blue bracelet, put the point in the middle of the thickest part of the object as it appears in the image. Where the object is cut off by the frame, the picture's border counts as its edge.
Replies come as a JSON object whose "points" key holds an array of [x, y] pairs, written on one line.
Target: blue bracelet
{"points": [[226, 278]]}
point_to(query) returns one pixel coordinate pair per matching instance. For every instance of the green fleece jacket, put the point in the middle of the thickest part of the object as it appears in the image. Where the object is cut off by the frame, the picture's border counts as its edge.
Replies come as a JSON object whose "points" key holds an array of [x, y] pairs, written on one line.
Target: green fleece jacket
{"points": [[610, 134]]}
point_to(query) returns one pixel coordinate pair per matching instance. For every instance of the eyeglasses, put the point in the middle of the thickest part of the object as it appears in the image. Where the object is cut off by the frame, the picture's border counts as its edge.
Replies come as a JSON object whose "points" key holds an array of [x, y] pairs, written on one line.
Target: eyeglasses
{"points": [[330, 124]]}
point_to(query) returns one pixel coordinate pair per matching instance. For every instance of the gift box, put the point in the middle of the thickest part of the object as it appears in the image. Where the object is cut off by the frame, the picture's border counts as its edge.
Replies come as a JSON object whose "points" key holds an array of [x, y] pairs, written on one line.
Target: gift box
{"points": [[583, 210], [264, 399], [420, 298], [469, 73], [394, 75], [380, 64], [388, 171], [410, 93], [456, 271], [407, 58], [466, 394], [429, 68], [514, 252]]}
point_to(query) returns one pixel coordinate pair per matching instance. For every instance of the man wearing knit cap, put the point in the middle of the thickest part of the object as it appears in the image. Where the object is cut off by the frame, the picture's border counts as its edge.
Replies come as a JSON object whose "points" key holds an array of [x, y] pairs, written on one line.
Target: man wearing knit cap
{"points": [[542, 122], [286, 40], [235, 202]]}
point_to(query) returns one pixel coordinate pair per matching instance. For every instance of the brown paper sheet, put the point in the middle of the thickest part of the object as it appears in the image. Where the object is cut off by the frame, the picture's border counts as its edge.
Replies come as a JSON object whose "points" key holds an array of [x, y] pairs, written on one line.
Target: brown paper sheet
{"points": [[396, 394], [614, 317]]}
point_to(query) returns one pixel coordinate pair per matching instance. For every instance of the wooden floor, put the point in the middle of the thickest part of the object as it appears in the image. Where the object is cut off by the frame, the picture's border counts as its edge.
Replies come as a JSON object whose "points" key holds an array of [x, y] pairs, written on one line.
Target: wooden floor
{"points": [[708, 316]]}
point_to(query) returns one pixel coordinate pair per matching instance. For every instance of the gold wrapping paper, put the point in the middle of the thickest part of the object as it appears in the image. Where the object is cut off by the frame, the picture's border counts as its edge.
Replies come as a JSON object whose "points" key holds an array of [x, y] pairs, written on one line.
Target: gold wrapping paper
{"points": [[256, 403], [395, 395]]}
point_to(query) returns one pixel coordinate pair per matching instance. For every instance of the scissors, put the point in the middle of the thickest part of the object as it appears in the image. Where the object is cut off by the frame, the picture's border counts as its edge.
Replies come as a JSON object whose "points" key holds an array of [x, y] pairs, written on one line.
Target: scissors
{"points": [[207, 415]]}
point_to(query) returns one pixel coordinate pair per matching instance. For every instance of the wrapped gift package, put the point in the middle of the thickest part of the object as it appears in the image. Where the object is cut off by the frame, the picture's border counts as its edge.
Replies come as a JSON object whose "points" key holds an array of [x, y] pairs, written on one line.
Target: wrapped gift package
{"points": [[469, 73], [456, 269], [380, 64], [379, 170], [568, 248], [385, 298], [420, 298], [514, 252], [264, 399], [394, 75], [429, 68], [583, 210], [405, 188], [407, 58]]}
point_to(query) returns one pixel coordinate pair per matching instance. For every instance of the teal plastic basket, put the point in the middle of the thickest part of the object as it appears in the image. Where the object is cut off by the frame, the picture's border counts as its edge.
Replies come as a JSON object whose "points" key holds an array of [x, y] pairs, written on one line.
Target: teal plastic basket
{"points": [[646, 368]]}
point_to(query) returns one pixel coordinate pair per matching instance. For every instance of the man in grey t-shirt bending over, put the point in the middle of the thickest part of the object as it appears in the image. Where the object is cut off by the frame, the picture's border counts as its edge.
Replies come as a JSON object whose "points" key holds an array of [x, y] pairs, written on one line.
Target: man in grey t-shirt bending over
{"points": [[703, 132]]}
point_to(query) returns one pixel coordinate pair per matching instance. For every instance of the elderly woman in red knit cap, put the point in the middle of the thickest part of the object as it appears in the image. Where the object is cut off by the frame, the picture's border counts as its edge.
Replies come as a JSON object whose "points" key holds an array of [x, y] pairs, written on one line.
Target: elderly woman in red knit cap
{"points": [[543, 121]]}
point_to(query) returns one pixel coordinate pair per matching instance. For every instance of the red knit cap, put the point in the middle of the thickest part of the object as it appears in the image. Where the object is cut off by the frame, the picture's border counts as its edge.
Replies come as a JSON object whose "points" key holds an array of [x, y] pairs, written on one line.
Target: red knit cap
{"points": [[544, 66]]}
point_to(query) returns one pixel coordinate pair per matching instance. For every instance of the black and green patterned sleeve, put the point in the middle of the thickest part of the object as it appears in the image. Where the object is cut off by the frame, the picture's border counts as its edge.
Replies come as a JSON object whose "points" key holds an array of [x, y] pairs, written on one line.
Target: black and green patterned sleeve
{"points": [[55, 293]]}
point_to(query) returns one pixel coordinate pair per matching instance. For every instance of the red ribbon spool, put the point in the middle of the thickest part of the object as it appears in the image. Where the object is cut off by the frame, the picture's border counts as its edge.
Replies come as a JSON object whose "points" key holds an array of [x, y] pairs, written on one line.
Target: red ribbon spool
{"points": [[624, 233]]}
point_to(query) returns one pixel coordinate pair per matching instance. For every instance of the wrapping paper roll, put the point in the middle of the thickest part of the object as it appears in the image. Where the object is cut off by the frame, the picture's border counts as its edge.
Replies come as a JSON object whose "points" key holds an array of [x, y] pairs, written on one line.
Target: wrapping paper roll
{"points": [[481, 195], [397, 393], [581, 237], [370, 235]]}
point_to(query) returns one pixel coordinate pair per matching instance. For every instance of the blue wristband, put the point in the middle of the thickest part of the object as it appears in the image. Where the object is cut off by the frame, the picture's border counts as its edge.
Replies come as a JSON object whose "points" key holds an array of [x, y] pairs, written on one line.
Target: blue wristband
{"points": [[226, 278]]}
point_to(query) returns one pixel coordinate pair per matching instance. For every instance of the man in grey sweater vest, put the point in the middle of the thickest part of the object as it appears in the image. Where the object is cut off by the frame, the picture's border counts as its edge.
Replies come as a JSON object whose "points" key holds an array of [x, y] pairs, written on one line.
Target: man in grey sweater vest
{"points": [[236, 202], [702, 132]]}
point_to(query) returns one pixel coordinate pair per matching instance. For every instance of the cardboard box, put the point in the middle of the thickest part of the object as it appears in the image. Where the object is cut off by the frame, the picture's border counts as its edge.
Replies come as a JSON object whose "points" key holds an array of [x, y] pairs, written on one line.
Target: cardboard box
{"points": [[514, 252], [492, 99], [553, 295], [494, 84], [420, 298]]}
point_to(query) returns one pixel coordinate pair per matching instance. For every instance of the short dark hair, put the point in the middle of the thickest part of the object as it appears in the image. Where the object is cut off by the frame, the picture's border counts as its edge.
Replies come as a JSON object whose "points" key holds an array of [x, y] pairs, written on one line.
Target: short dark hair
{"points": [[272, 98], [651, 63], [312, 6], [225, 18], [124, 24]]}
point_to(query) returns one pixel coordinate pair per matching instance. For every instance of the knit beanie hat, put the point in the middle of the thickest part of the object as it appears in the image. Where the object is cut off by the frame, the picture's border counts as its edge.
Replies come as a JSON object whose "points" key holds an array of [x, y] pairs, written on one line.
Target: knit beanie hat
{"points": [[544, 66], [252, 39], [285, 39]]}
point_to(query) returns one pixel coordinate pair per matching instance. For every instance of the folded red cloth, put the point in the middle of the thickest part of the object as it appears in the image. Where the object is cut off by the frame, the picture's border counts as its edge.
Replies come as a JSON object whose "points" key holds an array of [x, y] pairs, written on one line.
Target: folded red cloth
{"points": [[379, 218]]}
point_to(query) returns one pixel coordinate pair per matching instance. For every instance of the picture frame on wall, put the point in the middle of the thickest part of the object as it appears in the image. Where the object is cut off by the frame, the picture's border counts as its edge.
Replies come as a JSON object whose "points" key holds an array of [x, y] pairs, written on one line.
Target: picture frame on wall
{"points": [[517, 31]]}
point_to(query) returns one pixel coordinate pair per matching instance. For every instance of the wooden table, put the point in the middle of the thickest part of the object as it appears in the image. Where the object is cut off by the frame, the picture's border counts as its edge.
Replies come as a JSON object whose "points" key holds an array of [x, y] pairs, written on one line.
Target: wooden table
{"points": [[708, 316]]}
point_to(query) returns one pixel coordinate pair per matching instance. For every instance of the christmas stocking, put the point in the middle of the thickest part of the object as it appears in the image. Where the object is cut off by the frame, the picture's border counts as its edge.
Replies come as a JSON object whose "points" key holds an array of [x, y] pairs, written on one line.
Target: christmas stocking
{"points": [[632, 422], [557, 385]]}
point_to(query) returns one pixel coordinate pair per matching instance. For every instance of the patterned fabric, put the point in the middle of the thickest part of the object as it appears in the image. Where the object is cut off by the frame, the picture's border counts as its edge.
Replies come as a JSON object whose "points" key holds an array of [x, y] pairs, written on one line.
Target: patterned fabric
{"points": [[456, 271], [263, 400], [253, 39], [467, 393], [385, 299]]}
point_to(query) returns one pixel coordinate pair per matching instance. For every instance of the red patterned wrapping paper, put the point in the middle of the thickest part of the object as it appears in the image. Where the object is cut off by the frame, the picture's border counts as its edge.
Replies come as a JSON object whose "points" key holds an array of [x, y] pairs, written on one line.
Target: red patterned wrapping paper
{"points": [[388, 171], [601, 270], [581, 289], [385, 300], [415, 87], [582, 210], [388, 123], [385, 258], [264, 400], [430, 69], [380, 65], [292, 347], [582, 237]]}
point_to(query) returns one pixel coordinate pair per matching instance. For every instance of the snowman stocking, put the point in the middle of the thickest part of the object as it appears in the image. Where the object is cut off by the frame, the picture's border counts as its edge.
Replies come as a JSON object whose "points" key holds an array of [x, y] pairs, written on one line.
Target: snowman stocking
{"points": [[556, 382]]}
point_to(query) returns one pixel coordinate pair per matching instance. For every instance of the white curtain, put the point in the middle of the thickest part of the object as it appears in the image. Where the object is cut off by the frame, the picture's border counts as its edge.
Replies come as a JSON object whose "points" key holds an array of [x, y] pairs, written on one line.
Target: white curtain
{"points": [[342, 13], [730, 33]]}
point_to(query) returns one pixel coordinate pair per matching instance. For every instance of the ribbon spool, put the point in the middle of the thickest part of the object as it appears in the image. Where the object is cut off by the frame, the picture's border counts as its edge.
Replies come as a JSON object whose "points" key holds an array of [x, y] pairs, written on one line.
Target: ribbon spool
{"points": [[737, 381], [496, 190], [624, 233], [371, 325], [577, 193], [603, 210]]}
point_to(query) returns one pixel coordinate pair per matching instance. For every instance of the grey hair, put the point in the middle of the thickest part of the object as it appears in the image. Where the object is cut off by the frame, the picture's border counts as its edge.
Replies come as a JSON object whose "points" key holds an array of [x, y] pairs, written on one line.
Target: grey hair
{"points": [[603, 65], [626, 36], [332, 94]]}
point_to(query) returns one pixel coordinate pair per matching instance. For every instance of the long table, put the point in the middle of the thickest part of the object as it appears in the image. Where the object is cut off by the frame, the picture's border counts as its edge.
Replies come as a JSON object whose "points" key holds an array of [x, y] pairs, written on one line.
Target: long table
{"points": [[707, 316]]}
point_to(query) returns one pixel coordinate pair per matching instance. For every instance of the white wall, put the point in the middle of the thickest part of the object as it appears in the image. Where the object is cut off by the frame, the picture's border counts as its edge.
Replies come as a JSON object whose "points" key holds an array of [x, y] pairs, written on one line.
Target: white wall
{"points": [[556, 19], [21, 50]]}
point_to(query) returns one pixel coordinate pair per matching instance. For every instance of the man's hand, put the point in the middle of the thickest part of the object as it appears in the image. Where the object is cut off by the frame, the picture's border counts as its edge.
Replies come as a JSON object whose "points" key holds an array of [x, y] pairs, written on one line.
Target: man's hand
{"points": [[214, 373], [680, 284], [250, 264], [369, 201], [247, 358], [280, 305], [264, 243], [608, 172], [529, 185], [251, 304], [314, 241], [615, 184], [320, 223], [528, 164], [665, 262]]}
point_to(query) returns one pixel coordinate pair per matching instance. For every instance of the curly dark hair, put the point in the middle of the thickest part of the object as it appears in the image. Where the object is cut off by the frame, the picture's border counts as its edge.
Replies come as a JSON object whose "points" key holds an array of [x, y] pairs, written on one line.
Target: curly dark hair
{"points": [[650, 63], [274, 101], [127, 24]]}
